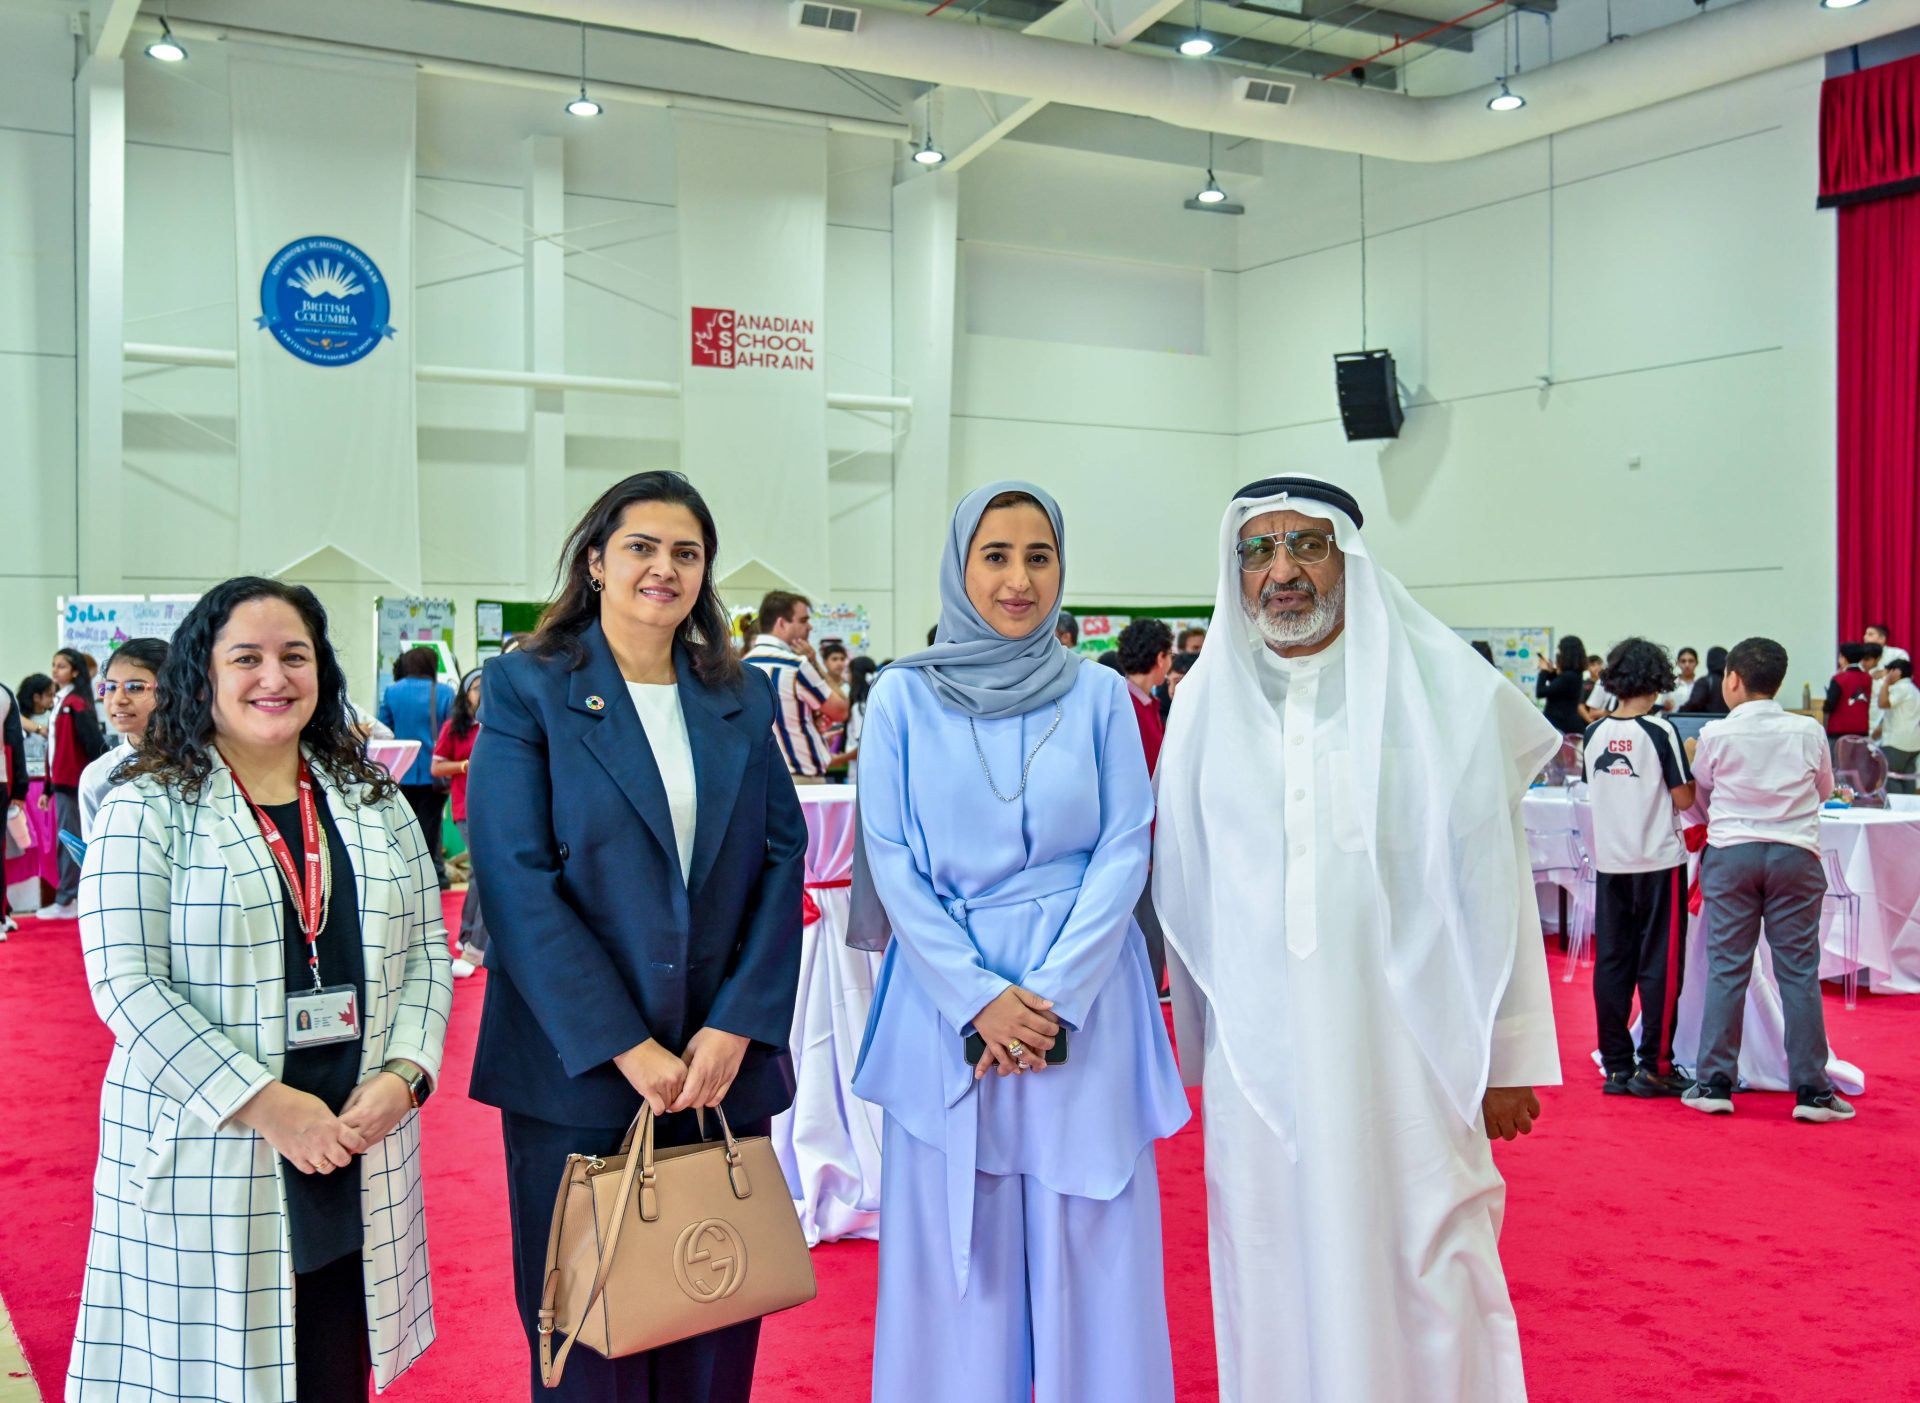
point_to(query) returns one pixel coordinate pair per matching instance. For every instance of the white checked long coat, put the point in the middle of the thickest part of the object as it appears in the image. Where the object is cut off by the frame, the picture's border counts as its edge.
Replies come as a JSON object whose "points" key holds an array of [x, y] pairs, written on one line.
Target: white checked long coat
{"points": [[189, 1281]]}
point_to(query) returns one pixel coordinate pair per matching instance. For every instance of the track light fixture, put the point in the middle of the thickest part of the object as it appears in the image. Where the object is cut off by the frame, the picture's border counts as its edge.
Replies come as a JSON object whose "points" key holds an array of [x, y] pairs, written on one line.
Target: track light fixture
{"points": [[166, 49], [583, 106]]}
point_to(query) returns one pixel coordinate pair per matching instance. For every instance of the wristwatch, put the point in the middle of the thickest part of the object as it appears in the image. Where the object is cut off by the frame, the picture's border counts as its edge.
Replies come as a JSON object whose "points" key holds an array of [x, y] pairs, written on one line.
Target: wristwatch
{"points": [[418, 1087]]}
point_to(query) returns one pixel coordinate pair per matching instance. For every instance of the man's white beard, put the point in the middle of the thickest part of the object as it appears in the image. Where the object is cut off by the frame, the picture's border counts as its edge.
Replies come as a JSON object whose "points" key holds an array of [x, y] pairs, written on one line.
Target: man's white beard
{"points": [[1306, 630]]}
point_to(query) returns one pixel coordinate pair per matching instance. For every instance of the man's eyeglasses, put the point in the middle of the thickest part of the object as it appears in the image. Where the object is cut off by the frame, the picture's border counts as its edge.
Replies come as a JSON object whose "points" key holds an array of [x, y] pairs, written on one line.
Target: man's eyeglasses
{"points": [[1306, 548], [134, 690]]}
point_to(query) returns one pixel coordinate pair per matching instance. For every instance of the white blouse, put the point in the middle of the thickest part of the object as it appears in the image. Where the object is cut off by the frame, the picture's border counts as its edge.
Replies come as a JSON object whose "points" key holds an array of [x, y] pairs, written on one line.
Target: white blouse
{"points": [[659, 710]]}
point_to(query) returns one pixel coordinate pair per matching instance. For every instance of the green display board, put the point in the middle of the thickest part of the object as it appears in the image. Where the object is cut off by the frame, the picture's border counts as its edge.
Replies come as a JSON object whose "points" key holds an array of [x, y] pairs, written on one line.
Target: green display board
{"points": [[497, 620], [1102, 624]]}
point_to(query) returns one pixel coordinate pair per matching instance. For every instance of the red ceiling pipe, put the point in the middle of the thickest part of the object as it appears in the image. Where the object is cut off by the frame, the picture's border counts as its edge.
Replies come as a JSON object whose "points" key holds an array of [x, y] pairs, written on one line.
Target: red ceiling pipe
{"points": [[1391, 48]]}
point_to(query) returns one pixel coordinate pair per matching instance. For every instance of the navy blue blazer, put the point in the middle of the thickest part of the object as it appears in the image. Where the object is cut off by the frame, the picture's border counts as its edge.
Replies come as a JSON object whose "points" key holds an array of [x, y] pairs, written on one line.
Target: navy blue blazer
{"points": [[595, 944]]}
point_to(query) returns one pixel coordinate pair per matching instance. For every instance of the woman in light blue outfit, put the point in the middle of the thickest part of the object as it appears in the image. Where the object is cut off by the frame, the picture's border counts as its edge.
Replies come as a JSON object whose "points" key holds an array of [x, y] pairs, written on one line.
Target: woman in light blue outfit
{"points": [[1006, 819]]}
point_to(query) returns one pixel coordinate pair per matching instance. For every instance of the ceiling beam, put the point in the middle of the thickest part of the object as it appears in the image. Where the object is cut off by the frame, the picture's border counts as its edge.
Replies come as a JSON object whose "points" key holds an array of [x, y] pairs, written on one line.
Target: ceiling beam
{"points": [[110, 39], [965, 122]]}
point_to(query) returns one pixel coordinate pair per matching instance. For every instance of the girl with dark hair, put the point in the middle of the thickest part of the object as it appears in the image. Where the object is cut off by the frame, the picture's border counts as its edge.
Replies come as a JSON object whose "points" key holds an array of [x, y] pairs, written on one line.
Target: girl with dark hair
{"points": [[74, 741], [452, 754], [129, 688], [860, 674], [644, 852], [263, 938], [34, 873], [1706, 698], [1562, 685], [413, 707]]}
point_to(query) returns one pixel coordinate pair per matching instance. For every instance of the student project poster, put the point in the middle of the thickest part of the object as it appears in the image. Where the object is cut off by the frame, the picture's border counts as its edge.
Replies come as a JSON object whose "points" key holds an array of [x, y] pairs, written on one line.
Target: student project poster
{"points": [[847, 622], [407, 621], [1517, 652], [1100, 628], [96, 624]]}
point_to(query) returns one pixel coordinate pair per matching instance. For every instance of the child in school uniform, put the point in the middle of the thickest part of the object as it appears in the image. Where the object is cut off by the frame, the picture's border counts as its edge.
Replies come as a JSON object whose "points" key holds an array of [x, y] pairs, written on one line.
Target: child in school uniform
{"points": [[1639, 782], [1762, 775]]}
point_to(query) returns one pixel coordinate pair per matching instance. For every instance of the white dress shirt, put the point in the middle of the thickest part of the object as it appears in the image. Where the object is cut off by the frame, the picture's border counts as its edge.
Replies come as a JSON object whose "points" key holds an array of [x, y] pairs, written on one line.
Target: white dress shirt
{"points": [[658, 706], [1761, 774], [1901, 727]]}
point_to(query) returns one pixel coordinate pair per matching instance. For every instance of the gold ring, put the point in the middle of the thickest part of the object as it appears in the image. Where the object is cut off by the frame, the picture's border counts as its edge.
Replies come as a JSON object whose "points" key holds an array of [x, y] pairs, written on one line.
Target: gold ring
{"points": [[1017, 1048]]}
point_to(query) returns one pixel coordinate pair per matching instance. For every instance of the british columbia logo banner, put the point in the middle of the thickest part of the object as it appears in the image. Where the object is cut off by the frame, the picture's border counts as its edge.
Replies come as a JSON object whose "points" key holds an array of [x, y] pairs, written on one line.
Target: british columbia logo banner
{"points": [[323, 185]]}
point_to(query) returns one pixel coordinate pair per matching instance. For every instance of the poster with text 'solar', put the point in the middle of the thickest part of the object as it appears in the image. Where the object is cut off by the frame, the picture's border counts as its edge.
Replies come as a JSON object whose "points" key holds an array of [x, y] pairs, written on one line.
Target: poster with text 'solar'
{"points": [[96, 624]]}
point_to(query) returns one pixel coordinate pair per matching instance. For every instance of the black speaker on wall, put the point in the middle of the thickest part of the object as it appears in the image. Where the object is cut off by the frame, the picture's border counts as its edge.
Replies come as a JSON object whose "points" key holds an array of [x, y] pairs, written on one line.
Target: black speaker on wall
{"points": [[1369, 395]]}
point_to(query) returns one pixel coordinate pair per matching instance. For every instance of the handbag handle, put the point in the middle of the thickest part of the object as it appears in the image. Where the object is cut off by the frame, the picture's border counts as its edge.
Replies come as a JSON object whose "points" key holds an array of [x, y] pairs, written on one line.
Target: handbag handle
{"points": [[639, 1168]]}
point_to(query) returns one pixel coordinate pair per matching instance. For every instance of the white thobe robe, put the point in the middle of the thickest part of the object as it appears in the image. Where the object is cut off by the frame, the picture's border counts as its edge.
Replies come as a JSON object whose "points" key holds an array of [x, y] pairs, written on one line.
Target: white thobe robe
{"points": [[1367, 1270]]}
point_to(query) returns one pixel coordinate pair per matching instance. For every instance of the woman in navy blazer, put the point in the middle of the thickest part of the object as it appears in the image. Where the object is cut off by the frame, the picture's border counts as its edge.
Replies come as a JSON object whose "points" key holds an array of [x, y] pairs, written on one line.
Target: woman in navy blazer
{"points": [[644, 853]]}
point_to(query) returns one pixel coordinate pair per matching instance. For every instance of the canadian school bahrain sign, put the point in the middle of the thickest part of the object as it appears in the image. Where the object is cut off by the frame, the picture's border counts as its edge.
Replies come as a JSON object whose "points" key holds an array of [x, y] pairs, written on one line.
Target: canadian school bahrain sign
{"points": [[730, 340], [325, 301]]}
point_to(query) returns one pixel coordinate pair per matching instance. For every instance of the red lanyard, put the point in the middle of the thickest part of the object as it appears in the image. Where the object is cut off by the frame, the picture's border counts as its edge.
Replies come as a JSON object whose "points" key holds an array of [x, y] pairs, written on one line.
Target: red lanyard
{"points": [[309, 896]]}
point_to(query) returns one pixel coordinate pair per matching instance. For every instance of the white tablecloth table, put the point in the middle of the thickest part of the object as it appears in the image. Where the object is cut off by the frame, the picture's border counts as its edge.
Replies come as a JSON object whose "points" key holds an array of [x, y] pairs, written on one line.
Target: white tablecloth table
{"points": [[829, 1142], [396, 757], [1763, 1053]]}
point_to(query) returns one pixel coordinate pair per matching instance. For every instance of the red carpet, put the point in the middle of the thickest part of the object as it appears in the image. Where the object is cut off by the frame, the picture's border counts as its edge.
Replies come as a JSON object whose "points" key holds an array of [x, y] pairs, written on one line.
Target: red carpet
{"points": [[1652, 1252]]}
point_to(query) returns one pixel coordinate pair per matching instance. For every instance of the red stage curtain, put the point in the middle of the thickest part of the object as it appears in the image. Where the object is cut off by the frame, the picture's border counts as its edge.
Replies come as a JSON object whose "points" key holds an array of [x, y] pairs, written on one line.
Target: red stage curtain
{"points": [[1870, 168]]}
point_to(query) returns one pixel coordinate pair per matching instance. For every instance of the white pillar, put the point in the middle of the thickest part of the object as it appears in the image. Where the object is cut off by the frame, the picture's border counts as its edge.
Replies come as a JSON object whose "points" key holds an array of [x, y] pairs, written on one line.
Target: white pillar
{"points": [[100, 151], [925, 243], [544, 281]]}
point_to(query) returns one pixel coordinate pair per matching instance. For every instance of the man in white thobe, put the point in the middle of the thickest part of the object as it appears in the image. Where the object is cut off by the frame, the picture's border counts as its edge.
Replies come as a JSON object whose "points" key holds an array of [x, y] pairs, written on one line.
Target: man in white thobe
{"points": [[1360, 981]]}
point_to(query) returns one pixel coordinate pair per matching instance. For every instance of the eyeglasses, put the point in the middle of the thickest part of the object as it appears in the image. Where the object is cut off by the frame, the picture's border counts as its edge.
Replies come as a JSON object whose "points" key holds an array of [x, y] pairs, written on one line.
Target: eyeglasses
{"points": [[1306, 548], [134, 690]]}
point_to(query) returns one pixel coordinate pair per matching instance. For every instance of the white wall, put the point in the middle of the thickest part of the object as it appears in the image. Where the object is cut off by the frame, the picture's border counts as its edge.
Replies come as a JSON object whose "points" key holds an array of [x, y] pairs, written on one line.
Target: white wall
{"points": [[1666, 270], [1138, 445], [38, 542], [181, 479]]}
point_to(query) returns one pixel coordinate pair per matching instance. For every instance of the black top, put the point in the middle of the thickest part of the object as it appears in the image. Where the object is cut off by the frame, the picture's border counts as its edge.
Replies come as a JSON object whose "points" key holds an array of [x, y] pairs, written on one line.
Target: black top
{"points": [[1563, 693], [323, 1210], [1706, 697]]}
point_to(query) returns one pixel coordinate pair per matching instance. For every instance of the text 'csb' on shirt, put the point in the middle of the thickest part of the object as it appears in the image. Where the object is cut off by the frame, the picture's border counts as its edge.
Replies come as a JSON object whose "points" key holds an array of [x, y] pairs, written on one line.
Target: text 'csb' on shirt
{"points": [[1631, 765]]}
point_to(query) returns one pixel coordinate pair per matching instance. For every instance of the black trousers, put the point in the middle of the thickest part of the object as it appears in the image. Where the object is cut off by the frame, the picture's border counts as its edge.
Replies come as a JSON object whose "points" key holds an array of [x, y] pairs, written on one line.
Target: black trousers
{"points": [[429, 805], [711, 1368], [332, 1360], [1639, 941]]}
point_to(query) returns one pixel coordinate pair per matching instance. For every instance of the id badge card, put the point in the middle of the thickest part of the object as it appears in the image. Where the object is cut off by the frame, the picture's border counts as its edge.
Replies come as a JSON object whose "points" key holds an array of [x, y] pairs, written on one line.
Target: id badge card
{"points": [[320, 1017]]}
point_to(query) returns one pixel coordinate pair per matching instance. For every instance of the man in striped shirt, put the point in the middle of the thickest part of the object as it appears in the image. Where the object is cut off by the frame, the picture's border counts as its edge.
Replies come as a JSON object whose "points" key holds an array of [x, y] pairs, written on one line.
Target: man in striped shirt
{"points": [[803, 691]]}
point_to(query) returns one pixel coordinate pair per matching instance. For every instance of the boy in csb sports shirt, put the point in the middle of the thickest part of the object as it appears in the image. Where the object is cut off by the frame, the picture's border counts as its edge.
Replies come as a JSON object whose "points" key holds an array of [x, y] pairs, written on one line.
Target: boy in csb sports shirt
{"points": [[1639, 782]]}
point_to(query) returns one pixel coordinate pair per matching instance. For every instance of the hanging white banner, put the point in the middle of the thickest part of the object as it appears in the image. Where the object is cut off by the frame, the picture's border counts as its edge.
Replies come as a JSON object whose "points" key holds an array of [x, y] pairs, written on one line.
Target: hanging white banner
{"points": [[753, 283], [323, 162]]}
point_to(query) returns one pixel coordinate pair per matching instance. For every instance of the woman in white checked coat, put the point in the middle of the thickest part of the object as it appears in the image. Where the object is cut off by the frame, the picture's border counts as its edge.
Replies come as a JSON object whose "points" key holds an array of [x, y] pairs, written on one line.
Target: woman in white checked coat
{"points": [[261, 924]]}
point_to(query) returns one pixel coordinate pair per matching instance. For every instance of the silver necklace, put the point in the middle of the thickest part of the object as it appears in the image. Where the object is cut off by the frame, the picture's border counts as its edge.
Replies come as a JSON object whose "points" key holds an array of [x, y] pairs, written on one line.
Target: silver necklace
{"points": [[1025, 770]]}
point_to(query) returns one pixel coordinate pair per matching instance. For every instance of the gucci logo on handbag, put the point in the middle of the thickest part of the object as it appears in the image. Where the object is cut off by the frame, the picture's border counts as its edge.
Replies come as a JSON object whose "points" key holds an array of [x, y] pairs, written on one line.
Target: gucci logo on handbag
{"points": [[710, 1260]]}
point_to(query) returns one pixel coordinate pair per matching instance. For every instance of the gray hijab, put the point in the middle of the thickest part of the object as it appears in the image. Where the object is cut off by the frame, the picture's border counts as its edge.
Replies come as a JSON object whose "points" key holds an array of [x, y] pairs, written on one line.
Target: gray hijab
{"points": [[972, 667]]}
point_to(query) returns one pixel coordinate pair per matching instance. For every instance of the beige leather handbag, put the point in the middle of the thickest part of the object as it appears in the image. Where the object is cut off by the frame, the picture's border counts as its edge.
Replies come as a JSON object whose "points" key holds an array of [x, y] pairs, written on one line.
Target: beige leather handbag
{"points": [[648, 1249]]}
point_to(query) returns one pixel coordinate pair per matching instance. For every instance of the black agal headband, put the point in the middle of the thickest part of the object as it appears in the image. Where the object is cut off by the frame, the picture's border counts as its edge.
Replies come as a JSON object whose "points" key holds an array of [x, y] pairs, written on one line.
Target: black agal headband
{"points": [[1302, 487]]}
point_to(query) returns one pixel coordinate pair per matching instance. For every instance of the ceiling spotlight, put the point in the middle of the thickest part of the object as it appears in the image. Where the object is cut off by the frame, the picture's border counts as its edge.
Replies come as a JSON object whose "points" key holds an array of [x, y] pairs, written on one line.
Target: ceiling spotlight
{"points": [[583, 106], [1840, 4], [1198, 45], [166, 48], [1506, 100], [927, 154]]}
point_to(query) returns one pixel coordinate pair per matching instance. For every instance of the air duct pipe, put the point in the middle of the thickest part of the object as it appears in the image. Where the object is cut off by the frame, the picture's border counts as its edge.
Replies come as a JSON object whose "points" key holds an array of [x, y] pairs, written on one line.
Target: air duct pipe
{"points": [[1719, 46]]}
